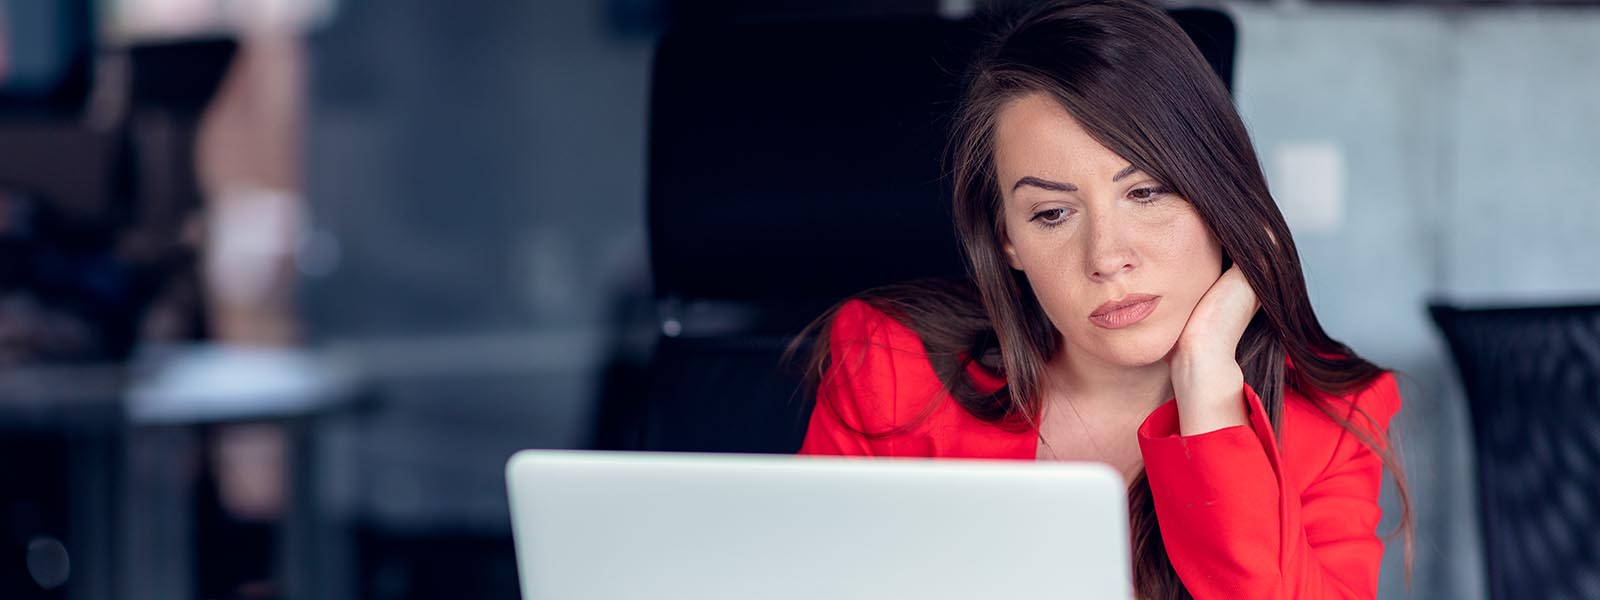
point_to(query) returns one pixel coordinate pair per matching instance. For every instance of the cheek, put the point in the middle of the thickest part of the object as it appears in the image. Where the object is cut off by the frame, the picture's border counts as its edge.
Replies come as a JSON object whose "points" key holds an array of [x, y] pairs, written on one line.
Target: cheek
{"points": [[1052, 263], [1189, 257]]}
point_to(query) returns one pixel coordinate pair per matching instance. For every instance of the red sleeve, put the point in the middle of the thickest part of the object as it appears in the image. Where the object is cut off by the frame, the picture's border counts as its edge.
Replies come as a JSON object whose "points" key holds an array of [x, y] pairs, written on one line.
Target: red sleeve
{"points": [[1234, 529], [873, 367]]}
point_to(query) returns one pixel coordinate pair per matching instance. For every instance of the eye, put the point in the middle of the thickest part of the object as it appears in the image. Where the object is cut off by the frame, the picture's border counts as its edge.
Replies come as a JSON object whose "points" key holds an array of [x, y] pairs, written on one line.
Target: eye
{"points": [[1050, 218], [1148, 195]]}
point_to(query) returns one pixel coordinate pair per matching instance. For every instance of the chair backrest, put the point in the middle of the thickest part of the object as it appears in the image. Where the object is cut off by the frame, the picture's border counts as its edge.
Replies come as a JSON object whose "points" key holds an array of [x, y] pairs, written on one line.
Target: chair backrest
{"points": [[1532, 378], [792, 165]]}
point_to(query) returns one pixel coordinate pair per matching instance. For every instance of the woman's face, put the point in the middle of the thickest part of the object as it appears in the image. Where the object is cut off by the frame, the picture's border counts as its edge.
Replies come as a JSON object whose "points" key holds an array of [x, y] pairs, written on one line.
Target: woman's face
{"points": [[1117, 261]]}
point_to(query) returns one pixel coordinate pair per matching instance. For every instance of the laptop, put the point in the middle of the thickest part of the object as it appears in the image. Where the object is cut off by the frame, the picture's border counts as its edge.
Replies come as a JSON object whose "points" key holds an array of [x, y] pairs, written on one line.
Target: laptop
{"points": [[623, 525]]}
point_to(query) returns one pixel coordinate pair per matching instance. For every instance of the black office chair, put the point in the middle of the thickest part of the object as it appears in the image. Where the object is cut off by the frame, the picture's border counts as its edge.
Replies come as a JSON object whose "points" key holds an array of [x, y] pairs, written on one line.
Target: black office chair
{"points": [[792, 165], [1532, 377]]}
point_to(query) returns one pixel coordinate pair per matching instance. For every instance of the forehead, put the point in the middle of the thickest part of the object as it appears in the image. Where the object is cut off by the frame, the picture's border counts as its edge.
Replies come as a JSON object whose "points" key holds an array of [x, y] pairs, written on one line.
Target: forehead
{"points": [[1035, 135]]}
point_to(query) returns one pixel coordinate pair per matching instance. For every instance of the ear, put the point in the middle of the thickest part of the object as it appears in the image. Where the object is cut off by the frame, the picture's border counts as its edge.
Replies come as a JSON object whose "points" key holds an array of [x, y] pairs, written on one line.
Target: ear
{"points": [[1011, 254]]}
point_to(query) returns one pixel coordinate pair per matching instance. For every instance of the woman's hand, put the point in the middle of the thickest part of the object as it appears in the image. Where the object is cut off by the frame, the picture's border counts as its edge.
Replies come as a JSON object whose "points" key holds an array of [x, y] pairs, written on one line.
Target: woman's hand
{"points": [[1205, 376]]}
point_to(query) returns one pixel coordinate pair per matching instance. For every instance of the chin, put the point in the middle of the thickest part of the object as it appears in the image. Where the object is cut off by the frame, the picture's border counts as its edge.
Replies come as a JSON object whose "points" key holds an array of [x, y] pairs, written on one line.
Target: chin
{"points": [[1138, 350]]}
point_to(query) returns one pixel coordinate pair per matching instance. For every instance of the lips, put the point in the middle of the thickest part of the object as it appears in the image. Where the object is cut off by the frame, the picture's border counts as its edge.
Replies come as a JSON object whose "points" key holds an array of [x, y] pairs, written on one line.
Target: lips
{"points": [[1131, 309]]}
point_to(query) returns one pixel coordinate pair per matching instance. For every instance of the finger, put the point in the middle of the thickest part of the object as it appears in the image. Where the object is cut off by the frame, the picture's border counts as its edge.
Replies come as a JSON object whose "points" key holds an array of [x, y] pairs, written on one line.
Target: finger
{"points": [[1242, 285]]}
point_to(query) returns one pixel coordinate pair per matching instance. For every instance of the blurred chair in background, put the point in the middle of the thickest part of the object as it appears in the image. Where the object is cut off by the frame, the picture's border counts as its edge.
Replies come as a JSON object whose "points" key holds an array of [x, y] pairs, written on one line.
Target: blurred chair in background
{"points": [[790, 166], [1532, 377]]}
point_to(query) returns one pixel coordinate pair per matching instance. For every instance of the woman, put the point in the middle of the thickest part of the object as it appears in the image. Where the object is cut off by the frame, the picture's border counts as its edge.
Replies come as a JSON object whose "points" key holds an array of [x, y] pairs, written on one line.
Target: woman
{"points": [[1136, 299]]}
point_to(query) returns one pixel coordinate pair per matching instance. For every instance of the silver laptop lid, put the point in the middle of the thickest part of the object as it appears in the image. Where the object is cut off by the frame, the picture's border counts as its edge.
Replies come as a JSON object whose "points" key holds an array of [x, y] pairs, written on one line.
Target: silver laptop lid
{"points": [[617, 526]]}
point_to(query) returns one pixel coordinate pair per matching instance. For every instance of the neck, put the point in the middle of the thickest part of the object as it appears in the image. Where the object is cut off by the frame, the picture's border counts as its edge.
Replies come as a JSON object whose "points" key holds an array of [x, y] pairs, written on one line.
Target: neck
{"points": [[1108, 388]]}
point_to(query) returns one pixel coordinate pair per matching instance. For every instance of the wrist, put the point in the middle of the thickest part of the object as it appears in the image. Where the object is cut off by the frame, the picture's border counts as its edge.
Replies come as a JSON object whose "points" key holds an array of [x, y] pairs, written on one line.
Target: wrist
{"points": [[1199, 367], [1210, 395]]}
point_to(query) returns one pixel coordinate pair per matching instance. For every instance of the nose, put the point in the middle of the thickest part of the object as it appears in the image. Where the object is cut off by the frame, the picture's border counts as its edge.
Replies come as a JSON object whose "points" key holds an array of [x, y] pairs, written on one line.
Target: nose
{"points": [[1108, 254]]}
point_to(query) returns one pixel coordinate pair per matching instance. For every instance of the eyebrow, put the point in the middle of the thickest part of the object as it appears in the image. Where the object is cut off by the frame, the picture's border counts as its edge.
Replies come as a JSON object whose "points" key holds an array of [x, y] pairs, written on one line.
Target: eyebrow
{"points": [[1057, 186]]}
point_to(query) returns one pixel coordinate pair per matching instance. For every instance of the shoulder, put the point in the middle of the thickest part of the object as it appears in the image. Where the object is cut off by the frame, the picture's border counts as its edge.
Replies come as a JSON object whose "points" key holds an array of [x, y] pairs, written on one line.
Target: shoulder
{"points": [[858, 326], [1371, 405], [867, 342], [879, 365], [1316, 432], [1380, 399]]}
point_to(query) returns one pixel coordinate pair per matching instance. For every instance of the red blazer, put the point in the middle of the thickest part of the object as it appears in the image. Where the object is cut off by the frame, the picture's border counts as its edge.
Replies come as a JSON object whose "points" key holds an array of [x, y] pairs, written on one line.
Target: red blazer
{"points": [[1242, 516]]}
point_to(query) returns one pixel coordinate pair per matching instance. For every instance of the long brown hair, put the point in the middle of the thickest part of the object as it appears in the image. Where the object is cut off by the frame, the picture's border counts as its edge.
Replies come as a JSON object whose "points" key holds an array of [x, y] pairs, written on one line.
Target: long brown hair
{"points": [[1132, 78]]}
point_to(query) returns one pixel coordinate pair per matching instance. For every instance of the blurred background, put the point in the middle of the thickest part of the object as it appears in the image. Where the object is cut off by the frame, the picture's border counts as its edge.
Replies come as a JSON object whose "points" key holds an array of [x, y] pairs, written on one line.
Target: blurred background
{"points": [[284, 282]]}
